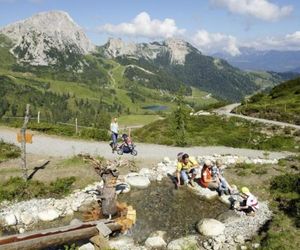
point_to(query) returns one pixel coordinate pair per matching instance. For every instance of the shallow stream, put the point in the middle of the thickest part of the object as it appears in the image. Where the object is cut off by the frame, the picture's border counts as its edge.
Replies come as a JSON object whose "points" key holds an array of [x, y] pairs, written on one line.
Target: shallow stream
{"points": [[161, 207]]}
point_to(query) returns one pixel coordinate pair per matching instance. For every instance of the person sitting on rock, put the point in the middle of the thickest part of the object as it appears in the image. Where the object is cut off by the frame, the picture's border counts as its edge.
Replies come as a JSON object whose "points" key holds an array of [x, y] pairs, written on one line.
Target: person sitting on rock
{"points": [[249, 205], [218, 175], [206, 179], [186, 166]]}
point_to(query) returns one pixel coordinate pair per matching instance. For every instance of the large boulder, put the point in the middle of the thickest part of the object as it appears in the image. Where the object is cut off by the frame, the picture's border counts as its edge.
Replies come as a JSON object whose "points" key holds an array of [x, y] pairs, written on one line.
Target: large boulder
{"points": [[189, 242], [210, 227], [138, 181], [48, 215], [205, 192]]}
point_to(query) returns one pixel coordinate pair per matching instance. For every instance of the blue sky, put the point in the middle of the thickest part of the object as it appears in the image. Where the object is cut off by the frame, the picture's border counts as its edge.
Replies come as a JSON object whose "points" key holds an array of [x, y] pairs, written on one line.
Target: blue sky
{"points": [[211, 25]]}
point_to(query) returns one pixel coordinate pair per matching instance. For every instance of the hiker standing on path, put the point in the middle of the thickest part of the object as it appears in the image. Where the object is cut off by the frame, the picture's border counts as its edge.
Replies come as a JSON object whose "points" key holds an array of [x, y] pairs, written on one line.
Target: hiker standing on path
{"points": [[114, 128], [185, 166]]}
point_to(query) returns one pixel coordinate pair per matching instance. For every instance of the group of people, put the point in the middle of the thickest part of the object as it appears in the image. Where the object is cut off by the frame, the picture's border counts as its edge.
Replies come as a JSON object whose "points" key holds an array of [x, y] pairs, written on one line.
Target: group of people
{"points": [[212, 177]]}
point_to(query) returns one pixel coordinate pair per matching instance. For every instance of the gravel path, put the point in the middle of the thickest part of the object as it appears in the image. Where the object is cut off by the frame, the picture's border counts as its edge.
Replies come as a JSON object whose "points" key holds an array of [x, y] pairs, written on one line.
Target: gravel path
{"points": [[66, 147], [226, 110]]}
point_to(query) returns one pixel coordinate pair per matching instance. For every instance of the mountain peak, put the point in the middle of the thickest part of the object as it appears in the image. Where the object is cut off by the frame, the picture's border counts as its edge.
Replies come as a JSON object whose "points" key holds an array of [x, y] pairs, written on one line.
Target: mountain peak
{"points": [[35, 37], [177, 48]]}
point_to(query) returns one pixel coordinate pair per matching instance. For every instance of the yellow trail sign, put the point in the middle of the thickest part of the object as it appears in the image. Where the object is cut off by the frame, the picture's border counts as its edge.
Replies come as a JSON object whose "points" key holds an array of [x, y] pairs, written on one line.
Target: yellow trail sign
{"points": [[28, 137]]}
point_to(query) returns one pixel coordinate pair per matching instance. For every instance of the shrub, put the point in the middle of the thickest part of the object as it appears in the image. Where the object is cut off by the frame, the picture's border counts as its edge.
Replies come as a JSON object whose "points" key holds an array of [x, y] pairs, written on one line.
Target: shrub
{"points": [[8, 151], [17, 188], [286, 183]]}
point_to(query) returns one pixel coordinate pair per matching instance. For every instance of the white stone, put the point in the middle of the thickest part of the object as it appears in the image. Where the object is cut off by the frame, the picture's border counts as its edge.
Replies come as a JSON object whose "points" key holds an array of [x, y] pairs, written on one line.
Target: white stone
{"points": [[155, 242], [123, 188], [27, 218], [88, 246], [10, 220], [239, 239], [21, 230], [159, 177], [48, 215], [210, 227], [182, 243], [225, 199], [122, 243], [205, 192], [256, 245], [244, 248], [166, 160], [138, 181]]}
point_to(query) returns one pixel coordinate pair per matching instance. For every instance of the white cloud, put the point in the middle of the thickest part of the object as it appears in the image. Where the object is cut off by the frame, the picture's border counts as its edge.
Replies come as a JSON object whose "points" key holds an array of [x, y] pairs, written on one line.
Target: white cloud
{"points": [[143, 26], [213, 42], [261, 9], [287, 42]]}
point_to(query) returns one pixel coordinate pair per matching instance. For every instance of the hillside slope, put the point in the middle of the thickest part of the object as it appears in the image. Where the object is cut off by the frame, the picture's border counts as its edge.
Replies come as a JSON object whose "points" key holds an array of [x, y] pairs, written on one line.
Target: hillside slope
{"points": [[281, 104]]}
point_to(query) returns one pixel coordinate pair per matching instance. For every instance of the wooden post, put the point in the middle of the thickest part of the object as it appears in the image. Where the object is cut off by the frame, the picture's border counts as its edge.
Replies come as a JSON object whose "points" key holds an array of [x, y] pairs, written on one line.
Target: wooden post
{"points": [[76, 126], [38, 117], [23, 143]]}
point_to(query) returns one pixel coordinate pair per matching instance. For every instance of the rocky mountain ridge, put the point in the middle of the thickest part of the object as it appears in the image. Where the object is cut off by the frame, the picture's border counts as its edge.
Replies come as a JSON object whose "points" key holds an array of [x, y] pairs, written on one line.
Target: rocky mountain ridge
{"points": [[38, 39]]}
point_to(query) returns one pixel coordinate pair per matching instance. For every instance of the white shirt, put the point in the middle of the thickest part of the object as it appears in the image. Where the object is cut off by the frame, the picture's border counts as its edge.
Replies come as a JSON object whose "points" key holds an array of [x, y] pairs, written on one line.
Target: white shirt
{"points": [[114, 127], [252, 202]]}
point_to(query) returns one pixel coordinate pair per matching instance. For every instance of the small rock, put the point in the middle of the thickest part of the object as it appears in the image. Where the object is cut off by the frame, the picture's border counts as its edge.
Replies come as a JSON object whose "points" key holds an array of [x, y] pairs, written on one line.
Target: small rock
{"points": [[27, 218], [88, 246], [181, 243], [239, 239], [256, 245], [243, 248], [206, 245], [138, 181], [48, 215], [166, 160], [216, 246], [159, 177], [122, 243], [21, 230], [210, 227], [122, 188], [220, 238], [155, 242], [75, 222], [225, 199], [10, 220]]}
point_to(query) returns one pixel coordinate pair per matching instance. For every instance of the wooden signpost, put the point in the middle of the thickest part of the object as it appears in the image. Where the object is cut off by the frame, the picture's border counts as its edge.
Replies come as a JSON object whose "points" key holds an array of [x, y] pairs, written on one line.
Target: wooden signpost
{"points": [[23, 138]]}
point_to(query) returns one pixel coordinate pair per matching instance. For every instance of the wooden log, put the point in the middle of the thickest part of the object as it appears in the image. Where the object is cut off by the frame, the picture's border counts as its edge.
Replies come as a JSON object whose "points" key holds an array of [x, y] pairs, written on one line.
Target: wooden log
{"points": [[54, 236]]}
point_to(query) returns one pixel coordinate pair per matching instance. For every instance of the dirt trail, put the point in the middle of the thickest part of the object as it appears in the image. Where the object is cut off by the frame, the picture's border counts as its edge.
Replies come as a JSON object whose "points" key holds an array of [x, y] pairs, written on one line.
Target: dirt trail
{"points": [[66, 147], [226, 110]]}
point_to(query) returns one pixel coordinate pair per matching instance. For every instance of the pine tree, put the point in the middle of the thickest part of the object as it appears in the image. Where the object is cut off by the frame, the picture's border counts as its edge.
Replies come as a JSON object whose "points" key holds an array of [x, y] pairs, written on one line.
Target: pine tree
{"points": [[180, 118]]}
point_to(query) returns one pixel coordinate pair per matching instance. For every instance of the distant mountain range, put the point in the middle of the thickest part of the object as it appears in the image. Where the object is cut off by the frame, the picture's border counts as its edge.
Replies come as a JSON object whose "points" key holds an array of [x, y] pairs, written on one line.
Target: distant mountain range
{"points": [[50, 45], [264, 60]]}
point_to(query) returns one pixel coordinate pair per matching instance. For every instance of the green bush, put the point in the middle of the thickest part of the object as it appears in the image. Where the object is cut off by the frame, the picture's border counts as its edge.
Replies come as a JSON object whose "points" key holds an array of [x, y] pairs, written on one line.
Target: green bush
{"points": [[8, 151], [18, 189], [61, 186], [286, 183]]}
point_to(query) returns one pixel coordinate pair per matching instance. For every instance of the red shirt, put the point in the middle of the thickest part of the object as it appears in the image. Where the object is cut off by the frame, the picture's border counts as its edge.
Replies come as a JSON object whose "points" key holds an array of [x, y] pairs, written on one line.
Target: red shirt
{"points": [[205, 177]]}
